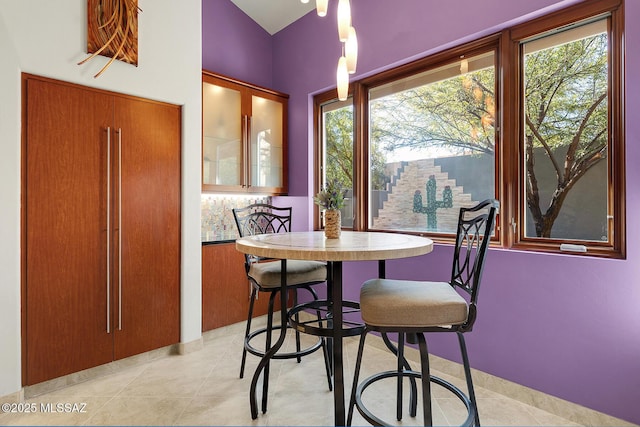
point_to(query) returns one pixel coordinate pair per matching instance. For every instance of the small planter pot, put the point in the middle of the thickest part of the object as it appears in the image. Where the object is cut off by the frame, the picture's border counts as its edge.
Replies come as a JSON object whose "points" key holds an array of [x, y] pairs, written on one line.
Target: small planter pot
{"points": [[332, 224]]}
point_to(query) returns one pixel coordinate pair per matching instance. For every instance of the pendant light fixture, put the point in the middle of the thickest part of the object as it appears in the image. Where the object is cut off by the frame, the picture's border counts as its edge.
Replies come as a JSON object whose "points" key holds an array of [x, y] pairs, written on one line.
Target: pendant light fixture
{"points": [[464, 66], [344, 19], [321, 7], [342, 77], [346, 35], [351, 50]]}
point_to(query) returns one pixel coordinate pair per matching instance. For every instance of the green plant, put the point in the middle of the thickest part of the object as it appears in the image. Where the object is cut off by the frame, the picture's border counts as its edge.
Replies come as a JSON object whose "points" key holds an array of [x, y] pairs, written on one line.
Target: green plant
{"points": [[330, 197]]}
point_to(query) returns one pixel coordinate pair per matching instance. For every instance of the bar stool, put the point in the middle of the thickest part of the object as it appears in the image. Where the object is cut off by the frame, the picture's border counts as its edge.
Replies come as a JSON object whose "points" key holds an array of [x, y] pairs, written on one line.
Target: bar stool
{"points": [[265, 276], [413, 308]]}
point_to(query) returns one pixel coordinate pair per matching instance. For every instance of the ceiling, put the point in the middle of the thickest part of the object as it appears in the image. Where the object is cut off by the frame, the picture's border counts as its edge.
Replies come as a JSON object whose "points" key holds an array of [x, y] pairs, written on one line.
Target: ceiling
{"points": [[274, 15]]}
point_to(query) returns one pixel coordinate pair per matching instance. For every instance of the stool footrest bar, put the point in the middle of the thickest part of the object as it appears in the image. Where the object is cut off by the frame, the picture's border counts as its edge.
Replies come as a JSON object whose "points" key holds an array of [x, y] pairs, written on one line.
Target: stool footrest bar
{"points": [[374, 420], [324, 327]]}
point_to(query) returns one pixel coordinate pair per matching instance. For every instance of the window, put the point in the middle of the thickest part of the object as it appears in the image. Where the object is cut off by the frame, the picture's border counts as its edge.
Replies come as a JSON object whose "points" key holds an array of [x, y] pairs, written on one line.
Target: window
{"points": [[432, 140], [337, 151], [569, 133], [531, 116]]}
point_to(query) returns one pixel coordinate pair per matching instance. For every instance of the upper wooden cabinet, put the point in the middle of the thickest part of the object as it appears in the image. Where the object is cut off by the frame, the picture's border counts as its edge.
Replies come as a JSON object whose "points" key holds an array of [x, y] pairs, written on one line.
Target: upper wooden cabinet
{"points": [[244, 137]]}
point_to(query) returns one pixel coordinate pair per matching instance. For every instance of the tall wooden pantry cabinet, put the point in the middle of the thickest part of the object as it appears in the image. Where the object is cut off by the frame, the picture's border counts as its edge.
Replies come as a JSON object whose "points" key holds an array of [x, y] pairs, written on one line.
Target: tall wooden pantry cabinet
{"points": [[100, 229]]}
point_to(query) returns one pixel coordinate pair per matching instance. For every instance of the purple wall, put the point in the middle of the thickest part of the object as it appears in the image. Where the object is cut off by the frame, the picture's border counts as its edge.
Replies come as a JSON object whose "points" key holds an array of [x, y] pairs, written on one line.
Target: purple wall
{"points": [[565, 325], [234, 45]]}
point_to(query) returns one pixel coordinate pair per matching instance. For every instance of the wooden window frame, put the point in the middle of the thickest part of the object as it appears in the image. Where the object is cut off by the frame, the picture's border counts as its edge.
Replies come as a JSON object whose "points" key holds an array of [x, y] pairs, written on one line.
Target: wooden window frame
{"points": [[516, 209], [508, 148]]}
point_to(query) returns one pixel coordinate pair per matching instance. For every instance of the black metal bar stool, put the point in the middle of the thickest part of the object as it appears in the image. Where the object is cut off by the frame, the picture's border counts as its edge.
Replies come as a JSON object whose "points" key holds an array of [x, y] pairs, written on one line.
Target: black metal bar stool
{"points": [[413, 308], [265, 275]]}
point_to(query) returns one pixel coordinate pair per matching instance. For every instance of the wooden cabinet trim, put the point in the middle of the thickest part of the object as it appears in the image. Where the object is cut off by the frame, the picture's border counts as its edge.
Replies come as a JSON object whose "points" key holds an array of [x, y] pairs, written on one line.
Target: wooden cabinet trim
{"points": [[221, 79]]}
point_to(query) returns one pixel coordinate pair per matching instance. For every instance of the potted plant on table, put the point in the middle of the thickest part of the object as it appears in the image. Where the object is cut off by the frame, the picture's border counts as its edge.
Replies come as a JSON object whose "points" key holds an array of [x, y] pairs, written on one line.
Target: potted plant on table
{"points": [[331, 200]]}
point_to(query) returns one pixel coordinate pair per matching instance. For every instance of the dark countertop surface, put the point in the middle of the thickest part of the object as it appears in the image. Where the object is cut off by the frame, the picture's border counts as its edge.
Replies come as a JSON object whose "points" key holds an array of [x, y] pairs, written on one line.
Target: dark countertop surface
{"points": [[217, 242]]}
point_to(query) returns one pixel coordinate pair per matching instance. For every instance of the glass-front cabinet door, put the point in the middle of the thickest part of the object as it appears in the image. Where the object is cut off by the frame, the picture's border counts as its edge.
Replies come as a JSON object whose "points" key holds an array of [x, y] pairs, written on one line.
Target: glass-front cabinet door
{"points": [[244, 142], [221, 136], [266, 143]]}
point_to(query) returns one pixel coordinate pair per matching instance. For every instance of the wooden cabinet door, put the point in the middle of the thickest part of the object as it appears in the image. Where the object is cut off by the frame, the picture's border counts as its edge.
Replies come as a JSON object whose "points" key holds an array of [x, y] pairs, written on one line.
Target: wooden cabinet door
{"points": [[222, 136], [101, 234], [65, 203], [147, 264], [225, 287], [267, 144]]}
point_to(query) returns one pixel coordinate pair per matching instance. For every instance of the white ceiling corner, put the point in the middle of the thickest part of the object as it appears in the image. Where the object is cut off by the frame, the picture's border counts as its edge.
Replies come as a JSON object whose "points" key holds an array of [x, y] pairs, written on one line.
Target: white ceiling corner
{"points": [[274, 15]]}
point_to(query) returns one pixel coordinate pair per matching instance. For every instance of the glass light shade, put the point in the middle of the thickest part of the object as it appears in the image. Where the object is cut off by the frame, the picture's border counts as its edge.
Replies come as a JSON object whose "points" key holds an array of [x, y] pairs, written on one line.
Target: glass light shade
{"points": [[342, 76], [344, 19], [351, 50], [321, 7], [305, 1], [464, 66]]}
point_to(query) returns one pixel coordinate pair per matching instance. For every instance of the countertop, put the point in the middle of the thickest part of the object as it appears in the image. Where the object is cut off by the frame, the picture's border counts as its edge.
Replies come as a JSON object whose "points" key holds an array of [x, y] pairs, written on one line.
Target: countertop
{"points": [[217, 242], [215, 237]]}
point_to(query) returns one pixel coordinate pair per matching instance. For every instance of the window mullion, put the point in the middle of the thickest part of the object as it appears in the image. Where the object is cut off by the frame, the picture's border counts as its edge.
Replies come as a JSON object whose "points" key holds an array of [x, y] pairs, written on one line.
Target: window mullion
{"points": [[361, 157]]}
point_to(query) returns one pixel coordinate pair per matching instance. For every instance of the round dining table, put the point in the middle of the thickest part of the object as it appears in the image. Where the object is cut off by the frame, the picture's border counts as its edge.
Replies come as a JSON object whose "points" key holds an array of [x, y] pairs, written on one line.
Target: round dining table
{"points": [[313, 245]]}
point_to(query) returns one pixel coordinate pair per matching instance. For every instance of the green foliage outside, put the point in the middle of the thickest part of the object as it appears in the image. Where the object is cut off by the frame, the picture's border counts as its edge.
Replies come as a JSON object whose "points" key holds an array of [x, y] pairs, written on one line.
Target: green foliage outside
{"points": [[338, 128], [566, 106]]}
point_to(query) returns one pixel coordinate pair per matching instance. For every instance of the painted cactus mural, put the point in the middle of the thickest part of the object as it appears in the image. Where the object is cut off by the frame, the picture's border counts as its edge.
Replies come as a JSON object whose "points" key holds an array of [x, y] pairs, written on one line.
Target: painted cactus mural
{"points": [[432, 204]]}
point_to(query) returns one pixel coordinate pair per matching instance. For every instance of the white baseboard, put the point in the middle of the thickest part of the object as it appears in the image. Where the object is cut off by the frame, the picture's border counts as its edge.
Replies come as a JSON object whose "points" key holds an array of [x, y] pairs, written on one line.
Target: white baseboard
{"points": [[190, 347]]}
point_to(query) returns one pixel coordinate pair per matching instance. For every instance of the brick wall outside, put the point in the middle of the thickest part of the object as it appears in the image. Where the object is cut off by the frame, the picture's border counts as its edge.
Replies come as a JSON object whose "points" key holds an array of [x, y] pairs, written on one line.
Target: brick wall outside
{"points": [[397, 211]]}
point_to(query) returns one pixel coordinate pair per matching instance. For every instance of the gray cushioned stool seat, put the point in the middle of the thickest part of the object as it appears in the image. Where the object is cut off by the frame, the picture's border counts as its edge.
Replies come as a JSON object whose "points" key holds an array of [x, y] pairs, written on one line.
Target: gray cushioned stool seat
{"points": [[267, 274], [403, 303]]}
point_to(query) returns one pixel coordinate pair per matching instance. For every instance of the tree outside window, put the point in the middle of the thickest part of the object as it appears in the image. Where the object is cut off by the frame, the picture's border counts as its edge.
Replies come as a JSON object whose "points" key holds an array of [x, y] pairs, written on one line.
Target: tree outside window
{"points": [[338, 149], [565, 79]]}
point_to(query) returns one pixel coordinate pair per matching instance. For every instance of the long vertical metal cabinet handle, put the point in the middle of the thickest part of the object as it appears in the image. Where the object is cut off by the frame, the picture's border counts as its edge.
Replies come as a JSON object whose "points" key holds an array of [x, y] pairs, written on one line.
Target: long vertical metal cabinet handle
{"points": [[245, 138], [119, 229], [108, 230], [249, 151]]}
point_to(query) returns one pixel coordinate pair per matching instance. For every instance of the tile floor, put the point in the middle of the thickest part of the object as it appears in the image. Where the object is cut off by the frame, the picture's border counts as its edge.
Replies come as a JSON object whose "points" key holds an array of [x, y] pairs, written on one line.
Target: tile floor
{"points": [[203, 388]]}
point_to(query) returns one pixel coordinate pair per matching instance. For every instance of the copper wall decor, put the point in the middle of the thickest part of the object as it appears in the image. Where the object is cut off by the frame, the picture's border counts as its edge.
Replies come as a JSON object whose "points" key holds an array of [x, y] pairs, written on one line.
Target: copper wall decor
{"points": [[112, 30]]}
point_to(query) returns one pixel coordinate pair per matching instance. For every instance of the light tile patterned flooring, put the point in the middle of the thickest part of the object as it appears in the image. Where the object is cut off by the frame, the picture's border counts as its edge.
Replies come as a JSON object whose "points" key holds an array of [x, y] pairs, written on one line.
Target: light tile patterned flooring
{"points": [[203, 388]]}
